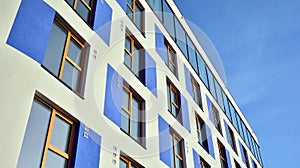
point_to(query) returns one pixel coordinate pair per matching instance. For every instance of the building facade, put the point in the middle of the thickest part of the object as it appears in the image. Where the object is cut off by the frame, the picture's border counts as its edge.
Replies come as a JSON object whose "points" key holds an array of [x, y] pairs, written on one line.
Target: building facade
{"points": [[113, 83]]}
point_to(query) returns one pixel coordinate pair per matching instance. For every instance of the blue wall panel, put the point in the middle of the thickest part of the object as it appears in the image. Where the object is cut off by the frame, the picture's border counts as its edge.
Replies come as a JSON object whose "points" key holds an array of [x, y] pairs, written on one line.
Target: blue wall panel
{"points": [[164, 142], [122, 3], [185, 113], [113, 96], [210, 112], [227, 132], [88, 148], [209, 141], [102, 21], [31, 29], [150, 74], [196, 160], [188, 81], [242, 152], [160, 44]]}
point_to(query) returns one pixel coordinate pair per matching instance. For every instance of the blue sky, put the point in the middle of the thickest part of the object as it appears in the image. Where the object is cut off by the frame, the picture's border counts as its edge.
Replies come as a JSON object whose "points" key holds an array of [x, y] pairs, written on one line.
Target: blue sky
{"points": [[259, 44]]}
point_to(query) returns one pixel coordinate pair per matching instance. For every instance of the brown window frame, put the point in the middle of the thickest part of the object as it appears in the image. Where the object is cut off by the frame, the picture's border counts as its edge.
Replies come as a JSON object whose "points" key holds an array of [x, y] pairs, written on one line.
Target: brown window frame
{"points": [[222, 153], [129, 161], [172, 87], [202, 131], [89, 7], [203, 163], [137, 4], [180, 155], [172, 57]]}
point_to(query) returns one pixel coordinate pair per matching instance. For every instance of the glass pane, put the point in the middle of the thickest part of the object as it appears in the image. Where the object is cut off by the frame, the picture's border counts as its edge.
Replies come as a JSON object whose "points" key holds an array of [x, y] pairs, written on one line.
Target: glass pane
{"points": [[156, 5], [174, 111], [174, 96], [61, 134], [129, 3], [219, 94], [129, 13], [226, 105], [138, 17], [178, 163], [136, 61], [128, 44], [55, 160], [35, 136], [169, 98], [88, 2], [55, 48], [71, 2], [135, 119], [202, 69], [83, 11], [125, 121], [123, 164], [192, 54], [211, 84], [177, 146], [74, 51], [125, 99], [127, 59], [173, 69], [180, 38], [132, 166], [71, 76], [168, 19]]}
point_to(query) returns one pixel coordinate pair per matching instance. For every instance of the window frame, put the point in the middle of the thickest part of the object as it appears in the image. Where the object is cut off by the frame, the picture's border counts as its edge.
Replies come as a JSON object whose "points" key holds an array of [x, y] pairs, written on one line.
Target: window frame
{"points": [[82, 68], [217, 121], [141, 115], [247, 163], [89, 7], [232, 139], [222, 154], [129, 161], [181, 155], [195, 89], [136, 3], [171, 61], [202, 132], [172, 87]]}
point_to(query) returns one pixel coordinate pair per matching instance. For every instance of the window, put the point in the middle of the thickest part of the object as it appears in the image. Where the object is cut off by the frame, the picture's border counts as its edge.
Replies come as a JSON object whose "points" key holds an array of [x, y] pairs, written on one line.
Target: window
{"points": [[135, 12], [232, 139], [246, 157], [178, 161], [216, 119], [127, 162], [222, 153], [196, 91], [172, 61], [133, 56], [204, 164], [201, 132], [254, 164], [66, 55], [173, 99], [83, 8], [237, 165], [132, 121], [48, 138]]}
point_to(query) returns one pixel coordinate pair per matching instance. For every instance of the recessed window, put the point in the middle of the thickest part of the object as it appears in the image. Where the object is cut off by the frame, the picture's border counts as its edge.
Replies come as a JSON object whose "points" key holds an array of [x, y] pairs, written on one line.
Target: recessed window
{"points": [[48, 138], [237, 165], [135, 12], [222, 153], [201, 132], [178, 156], [66, 55], [127, 162], [196, 91], [232, 139], [83, 8], [203, 163], [173, 99], [134, 56], [171, 58], [132, 121], [246, 157], [217, 122]]}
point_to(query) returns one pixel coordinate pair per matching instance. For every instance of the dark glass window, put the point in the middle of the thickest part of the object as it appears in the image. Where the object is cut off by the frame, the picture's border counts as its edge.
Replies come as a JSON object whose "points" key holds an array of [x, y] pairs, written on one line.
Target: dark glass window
{"points": [[173, 99], [226, 106], [211, 83], [48, 138], [83, 8], [222, 152], [246, 157], [66, 55], [132, 121], [134, 56], [180, 37], [192, 54], [201, 132], [219, 94], [196, 91], [237, 165], [172, 59], [217, 121], [204, 164], [232, 139], [202, 69], [135, 12]]}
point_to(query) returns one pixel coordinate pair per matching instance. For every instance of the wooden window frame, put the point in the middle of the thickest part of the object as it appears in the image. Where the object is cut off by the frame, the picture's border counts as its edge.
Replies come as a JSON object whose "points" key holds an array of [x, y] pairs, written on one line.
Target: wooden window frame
{"points": [[129, 161], [48, 146], [89, 7], [172, 60], [180, 156], [203, 163], [176, 104], [141, 130], [217, 121], [135, 4], [82, 68], [134, 42]]}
